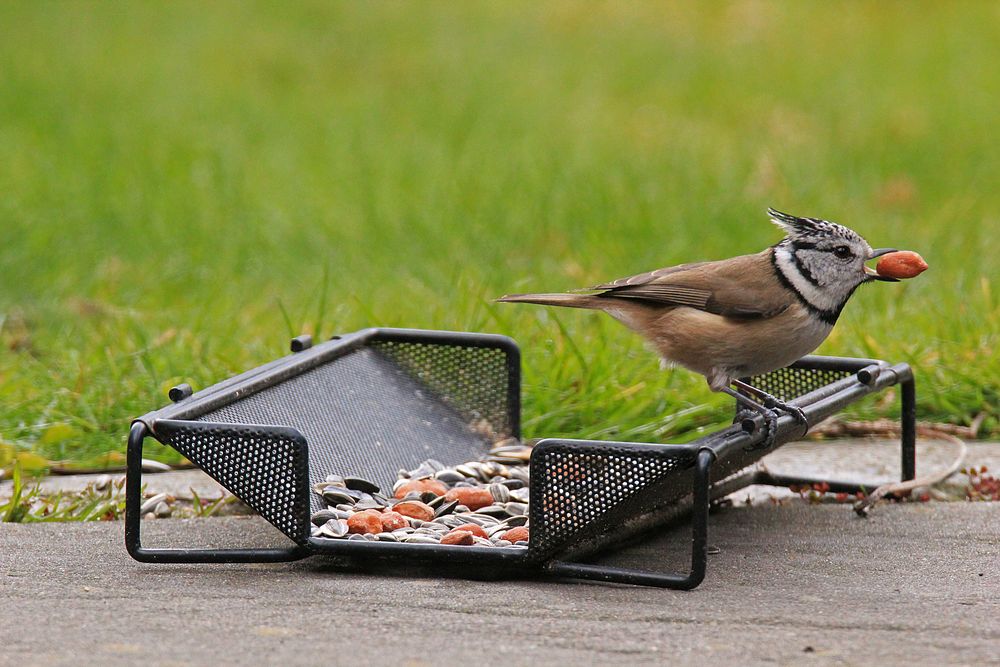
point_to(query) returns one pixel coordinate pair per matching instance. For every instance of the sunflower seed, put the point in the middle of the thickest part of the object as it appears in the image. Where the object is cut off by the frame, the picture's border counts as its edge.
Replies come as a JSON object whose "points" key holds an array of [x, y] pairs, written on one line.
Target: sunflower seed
{"points": [[519, 495], [359, 484], [515, 521], [337, 496], [449, 476], [501, 493], [333, 528], [446, 508], [467, 470], [493, 510], [322, 516], [516, 509]]}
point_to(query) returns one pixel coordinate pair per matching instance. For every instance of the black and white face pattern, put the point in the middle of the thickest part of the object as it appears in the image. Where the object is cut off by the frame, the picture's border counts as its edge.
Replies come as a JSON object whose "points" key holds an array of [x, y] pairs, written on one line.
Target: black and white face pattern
{"points": [[821, 261]]}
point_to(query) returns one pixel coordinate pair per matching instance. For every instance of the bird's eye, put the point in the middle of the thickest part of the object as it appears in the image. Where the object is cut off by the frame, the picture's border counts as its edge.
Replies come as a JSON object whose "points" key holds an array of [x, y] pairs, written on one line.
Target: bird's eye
{"points": [[842, 251]]}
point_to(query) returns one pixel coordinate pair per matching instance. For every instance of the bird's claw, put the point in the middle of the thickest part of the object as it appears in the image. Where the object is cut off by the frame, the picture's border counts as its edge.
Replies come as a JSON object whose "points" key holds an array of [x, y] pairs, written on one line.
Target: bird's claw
{"points": [[748, 409], [796, 412]]}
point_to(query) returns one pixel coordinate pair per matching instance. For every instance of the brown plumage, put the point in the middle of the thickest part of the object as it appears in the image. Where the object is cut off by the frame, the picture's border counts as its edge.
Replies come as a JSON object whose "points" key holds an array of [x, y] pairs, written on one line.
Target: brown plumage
{"points": [[723, 319]]}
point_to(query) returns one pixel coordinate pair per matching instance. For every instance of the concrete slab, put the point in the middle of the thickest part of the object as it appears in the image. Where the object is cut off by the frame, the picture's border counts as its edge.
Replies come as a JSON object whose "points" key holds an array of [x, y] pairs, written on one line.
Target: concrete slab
{"points": [[869, 461], [916, 584], [176, 483]]}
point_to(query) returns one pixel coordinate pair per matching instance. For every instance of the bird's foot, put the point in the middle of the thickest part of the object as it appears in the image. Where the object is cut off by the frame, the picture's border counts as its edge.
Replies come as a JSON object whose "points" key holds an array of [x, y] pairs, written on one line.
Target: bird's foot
{"points": [[749, 410], [793, 410], [773, 402], [770, 428], [742, 414], [767, 407]]}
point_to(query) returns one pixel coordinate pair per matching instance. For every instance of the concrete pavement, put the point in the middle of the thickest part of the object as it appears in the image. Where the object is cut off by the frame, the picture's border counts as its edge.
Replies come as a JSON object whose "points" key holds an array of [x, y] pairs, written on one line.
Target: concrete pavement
{"points": [[914, 584]]}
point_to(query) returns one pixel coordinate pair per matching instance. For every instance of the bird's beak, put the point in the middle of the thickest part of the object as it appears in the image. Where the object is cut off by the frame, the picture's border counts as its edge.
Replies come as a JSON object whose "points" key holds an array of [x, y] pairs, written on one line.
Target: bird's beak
{"points": [[872, 273]]}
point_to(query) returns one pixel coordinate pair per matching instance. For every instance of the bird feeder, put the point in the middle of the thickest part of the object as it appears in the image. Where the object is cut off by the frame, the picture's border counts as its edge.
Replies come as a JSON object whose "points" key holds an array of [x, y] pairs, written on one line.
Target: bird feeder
{"points": [[378, 400]]}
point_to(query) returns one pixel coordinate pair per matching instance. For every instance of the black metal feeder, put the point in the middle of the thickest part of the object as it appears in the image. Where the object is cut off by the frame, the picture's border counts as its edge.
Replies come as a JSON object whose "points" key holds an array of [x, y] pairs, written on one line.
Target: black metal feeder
{"points": [[372, 402]]}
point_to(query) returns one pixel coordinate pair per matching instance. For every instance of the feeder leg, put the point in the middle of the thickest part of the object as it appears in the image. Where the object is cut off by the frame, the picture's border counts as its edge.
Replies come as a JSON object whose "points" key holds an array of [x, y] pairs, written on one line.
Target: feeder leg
{"points": [[908, 429], [133, 524], [699, 541], [133, 490]]}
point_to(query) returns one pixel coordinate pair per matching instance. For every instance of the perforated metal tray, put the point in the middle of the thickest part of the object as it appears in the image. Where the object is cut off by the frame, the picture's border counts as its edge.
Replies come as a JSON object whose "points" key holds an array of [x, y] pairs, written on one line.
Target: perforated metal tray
{"points": [[378, 400]]}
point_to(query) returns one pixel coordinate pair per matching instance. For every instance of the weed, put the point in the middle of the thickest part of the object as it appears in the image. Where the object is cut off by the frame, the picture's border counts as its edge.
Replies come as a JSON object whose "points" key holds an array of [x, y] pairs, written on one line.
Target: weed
{"points": [[97, 502]]}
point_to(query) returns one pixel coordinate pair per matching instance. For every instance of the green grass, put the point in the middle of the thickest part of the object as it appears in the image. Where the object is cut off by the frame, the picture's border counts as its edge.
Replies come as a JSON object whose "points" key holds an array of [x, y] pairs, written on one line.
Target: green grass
{"points": [[184, 186]]}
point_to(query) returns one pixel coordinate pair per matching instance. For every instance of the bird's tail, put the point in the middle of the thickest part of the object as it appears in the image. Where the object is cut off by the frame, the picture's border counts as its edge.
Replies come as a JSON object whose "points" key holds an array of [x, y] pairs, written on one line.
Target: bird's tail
{"points": [[566, 300]]}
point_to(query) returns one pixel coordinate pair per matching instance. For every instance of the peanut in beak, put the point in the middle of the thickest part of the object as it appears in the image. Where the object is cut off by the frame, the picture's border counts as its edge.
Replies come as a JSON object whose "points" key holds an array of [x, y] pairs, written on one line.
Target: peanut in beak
{"points": [[896, 264]]}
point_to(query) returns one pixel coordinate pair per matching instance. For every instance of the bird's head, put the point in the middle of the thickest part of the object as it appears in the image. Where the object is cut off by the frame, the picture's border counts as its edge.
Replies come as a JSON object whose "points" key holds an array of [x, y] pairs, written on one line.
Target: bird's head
{"points": [[822, 260]]}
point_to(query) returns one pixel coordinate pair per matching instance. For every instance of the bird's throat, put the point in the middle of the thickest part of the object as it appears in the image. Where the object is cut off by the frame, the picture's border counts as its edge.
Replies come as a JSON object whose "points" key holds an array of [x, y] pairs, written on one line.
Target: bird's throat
{"points": [[823, 302]]}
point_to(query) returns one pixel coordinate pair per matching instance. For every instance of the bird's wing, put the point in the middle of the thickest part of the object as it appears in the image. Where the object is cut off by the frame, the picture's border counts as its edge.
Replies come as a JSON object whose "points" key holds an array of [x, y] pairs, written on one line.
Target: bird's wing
{"points": [[649, 276], [744, 287]]}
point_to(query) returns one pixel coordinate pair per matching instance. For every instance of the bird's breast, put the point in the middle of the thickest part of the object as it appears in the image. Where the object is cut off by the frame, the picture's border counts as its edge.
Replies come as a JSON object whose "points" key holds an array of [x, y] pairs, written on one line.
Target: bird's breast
{"points": [[784, 340], [706, 343]]}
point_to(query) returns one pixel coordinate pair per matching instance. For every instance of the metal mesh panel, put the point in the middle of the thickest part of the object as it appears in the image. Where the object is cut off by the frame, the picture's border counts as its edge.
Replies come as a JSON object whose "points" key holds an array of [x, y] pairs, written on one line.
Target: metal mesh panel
{"points": [[578, 492], [264, 467], [365, 414], [472, 380], [789, 383]]}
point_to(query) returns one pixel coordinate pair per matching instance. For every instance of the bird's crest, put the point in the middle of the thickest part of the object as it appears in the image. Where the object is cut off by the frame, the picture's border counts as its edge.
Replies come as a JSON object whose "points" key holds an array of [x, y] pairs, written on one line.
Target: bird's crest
{"points": [[809, 229]]}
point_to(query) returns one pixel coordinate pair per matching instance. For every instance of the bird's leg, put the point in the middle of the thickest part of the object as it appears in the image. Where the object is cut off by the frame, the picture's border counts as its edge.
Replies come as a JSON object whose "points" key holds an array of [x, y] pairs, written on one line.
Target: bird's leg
{"points": [[772, 402], [770, 416]]}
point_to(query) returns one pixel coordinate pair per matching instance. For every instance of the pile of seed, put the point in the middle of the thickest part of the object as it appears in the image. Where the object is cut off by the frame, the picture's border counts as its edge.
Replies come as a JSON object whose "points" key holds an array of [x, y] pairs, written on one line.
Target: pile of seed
{"points": [[482, 503]]}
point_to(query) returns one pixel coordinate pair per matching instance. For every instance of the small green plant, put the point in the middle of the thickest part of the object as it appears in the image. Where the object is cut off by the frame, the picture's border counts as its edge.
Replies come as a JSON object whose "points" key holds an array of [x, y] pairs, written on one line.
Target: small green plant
{"points": [[16, 508], [96, 502], [202, 508], [101, 500]]}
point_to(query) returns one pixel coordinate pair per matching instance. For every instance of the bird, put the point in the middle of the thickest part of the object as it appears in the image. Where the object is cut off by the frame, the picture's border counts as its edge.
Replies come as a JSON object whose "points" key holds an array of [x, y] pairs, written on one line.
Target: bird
{"points": [[743, 316]]}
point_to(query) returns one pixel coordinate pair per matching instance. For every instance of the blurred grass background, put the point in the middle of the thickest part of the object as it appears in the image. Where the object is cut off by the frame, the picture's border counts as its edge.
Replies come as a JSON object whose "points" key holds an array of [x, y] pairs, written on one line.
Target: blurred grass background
{"points": [[184, 186]]}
